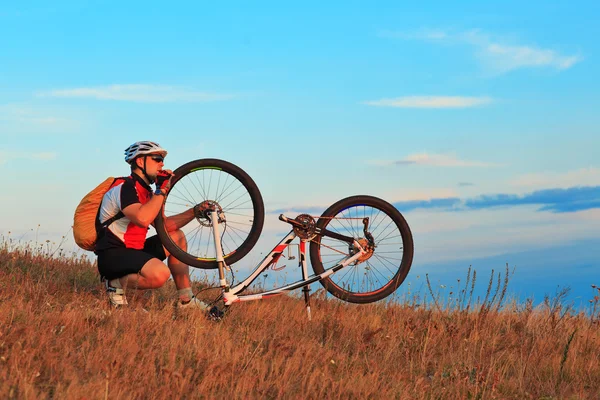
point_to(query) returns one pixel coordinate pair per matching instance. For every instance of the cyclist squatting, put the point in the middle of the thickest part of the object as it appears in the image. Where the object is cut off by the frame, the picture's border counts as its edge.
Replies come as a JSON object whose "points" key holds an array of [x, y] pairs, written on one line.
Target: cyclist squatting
{"points": [[126, 258]]}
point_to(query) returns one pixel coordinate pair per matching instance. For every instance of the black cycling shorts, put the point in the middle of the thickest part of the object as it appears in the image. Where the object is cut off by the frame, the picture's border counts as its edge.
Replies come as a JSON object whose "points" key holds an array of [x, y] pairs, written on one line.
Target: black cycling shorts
{"points": [[117, 262]]}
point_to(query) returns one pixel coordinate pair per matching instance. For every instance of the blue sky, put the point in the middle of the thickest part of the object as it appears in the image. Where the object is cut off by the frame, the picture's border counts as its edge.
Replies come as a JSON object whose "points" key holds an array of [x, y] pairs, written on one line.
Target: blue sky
{"points": [[478, 120]]}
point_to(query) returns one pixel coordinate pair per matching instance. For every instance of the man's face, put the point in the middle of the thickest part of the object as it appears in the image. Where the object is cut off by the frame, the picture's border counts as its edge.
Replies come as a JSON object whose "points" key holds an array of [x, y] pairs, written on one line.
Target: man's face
{"points": [[154, 163]]}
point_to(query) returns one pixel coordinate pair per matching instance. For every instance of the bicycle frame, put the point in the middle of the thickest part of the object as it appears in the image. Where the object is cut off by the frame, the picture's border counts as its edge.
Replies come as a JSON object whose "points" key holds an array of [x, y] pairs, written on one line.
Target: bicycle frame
{"points": [[231, 294]]}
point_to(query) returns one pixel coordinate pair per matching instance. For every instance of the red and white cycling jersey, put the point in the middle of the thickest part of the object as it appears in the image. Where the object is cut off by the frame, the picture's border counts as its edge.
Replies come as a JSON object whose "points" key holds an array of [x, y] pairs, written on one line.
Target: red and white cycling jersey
{"points": [[122, 232]]}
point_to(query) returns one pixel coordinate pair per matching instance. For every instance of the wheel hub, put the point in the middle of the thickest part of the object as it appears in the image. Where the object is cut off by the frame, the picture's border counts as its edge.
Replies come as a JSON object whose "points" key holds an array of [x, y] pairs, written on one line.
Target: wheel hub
{"points": [[202, 212]]}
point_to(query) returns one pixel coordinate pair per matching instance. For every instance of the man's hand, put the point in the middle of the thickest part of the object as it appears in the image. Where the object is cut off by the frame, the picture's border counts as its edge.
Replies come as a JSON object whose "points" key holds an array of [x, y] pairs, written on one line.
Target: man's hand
{"points": [[163, 180]]}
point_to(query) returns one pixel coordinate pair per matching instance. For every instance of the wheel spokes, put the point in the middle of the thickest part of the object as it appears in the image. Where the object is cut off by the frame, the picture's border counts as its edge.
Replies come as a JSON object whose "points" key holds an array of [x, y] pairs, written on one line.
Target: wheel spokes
{"points": [[231, 198], [378, 270]]}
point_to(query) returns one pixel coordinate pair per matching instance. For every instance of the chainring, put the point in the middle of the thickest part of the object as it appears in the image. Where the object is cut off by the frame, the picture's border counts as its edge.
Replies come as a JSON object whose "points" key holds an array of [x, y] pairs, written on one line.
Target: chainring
{"points": [[307, 230]]}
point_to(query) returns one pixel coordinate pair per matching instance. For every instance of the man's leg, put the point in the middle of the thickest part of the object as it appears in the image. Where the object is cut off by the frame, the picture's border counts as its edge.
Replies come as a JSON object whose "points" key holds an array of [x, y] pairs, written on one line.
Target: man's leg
{"points": [[132, 269], [180, 271], [181, 275], [153, 275]]}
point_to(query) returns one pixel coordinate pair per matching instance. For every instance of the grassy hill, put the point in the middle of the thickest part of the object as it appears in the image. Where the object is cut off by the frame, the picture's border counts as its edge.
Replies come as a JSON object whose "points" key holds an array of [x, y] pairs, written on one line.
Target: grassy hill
{"points": [[59, 339]]}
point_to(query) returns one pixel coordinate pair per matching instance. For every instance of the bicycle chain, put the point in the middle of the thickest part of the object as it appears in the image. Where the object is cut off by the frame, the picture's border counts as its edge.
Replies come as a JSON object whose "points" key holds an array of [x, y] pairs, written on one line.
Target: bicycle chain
{"points": [[315, 216]]}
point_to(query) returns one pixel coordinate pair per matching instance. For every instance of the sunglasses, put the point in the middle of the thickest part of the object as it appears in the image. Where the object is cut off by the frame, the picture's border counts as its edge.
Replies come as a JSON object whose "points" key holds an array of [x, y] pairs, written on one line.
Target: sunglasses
{"points": [[158, 159]]}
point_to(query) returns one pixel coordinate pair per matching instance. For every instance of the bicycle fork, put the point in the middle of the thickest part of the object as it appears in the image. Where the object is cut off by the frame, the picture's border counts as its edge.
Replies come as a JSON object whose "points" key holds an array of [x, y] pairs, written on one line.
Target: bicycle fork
{"points": [[214, 217]]}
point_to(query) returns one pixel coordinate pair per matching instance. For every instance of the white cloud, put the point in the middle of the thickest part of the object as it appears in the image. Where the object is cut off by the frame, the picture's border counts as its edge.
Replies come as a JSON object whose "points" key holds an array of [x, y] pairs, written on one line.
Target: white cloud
{"points": [[580, 177], [438, 160], [26, 115], [416, 194], [505, 58], [6, 156], [496, 54], [431, 102], [137, 93]]}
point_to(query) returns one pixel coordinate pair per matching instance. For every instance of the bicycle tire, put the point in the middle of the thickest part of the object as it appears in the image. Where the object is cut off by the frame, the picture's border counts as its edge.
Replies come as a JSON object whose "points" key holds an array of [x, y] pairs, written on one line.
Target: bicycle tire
{"points": [[188, 188], [345, 217]]}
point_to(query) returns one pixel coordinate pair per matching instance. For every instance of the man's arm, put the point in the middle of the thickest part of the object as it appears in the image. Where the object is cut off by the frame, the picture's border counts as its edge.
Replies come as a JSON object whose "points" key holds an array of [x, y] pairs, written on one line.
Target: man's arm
{"points": [[177, 221], [144, 214]]}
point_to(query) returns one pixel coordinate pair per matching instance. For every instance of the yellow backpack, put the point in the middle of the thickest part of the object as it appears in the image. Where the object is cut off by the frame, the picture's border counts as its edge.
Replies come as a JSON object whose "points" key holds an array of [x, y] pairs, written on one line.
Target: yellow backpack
{"points": [[85, 221]]}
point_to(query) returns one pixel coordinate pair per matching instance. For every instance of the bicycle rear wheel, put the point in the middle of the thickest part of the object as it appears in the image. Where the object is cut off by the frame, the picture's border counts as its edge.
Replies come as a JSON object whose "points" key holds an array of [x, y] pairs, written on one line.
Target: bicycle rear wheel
{"points": [[384, 268], [236, 198]]}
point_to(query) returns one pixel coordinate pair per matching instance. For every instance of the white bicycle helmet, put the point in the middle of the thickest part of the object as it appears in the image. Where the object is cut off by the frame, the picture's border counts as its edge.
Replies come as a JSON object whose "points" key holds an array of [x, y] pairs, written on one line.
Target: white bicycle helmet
{"points": [[143, 148]]}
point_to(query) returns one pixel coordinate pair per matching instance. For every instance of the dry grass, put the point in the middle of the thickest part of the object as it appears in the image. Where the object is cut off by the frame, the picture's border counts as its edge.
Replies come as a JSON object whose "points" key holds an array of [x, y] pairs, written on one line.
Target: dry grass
{"points": [[59, 339]]}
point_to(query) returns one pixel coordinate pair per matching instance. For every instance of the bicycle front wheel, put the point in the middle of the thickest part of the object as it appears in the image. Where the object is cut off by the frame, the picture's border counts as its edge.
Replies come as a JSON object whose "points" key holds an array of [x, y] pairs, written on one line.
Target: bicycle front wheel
{"points": [[385, 266], [237, 200]]}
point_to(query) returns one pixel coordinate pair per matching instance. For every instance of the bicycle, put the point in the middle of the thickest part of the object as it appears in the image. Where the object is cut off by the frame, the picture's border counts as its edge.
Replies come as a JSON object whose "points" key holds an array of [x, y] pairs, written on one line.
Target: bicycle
{"points": [[361, 247]]}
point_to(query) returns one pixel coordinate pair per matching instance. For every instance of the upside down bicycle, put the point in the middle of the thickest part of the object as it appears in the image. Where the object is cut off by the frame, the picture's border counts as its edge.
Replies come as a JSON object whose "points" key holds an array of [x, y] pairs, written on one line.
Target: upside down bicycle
{"points": [[361, 247]]}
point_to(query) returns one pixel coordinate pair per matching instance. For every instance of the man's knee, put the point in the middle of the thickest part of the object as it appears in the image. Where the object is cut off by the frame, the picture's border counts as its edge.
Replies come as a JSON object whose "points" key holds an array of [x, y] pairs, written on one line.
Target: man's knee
{"points": [[162, 278], [156, 274]]}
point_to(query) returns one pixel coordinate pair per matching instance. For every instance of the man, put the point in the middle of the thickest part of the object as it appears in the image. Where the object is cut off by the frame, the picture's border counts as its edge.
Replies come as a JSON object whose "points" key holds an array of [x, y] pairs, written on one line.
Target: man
{"points": [[126, 259]]}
